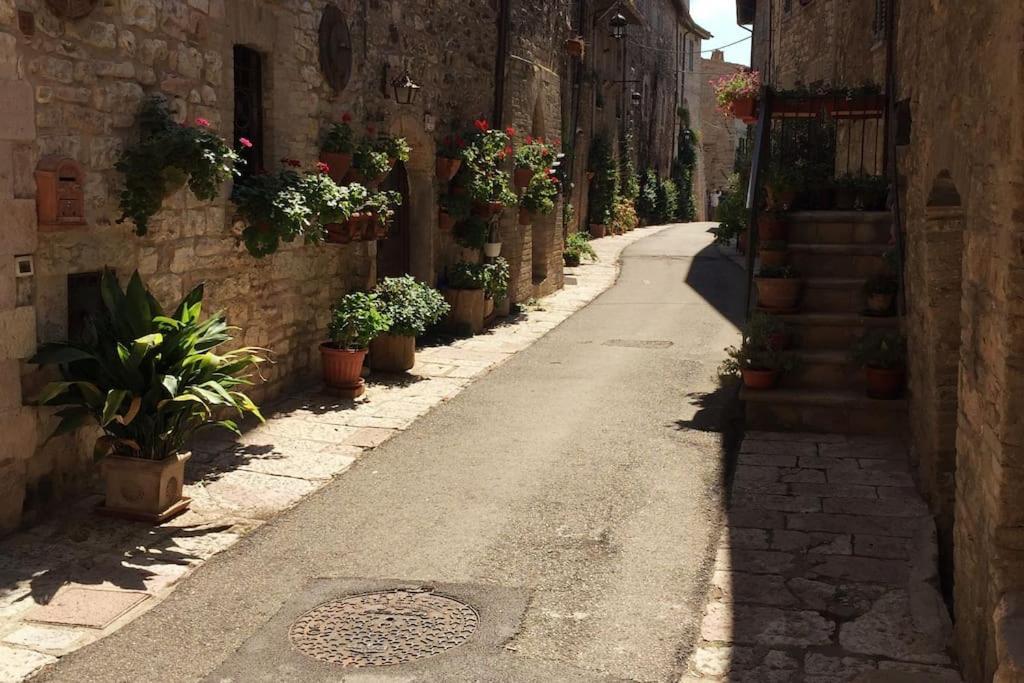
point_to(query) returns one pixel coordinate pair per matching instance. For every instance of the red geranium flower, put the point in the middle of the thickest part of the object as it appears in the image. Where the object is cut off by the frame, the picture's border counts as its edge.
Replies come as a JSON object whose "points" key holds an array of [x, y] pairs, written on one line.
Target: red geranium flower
{"points": [[481, 125], [529, 139], [346, 117], [510, 131], [244, 142], [203, 123], [294, 163], [508, 150], [322, 167]]}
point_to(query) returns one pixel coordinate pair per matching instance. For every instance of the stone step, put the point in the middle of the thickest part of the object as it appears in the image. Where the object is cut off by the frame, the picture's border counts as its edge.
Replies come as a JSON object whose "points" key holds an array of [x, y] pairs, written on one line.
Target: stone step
{"points": [[839, 227], [824, 369], [833, 295], [831, 331], [837, 260], [836, 411]]}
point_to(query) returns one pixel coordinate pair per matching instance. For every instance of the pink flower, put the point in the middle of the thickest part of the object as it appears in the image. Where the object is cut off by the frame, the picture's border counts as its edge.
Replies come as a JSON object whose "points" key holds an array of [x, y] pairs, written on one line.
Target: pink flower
{"points": [[245, 142], [510, 131], [322, 167], [529, 139], [202, 123], [481, 125]]}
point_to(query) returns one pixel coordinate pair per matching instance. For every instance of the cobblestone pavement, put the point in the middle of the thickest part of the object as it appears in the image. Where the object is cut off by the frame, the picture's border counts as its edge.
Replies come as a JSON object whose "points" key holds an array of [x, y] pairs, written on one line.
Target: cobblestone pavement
{"points": [[75, 579], [826, 570]]}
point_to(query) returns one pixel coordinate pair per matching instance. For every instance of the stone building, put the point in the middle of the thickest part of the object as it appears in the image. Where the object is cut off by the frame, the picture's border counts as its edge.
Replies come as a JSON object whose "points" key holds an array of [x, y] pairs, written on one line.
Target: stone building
{"points": [[956, 85], [721, 135]]}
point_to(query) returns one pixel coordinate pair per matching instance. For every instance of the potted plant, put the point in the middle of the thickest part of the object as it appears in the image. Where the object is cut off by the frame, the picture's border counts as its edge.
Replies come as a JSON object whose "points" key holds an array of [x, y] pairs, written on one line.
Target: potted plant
{"points": [[539, 197], [858, 192], [778, 288], [149, 380], [452, 209], [880, 292], [355, 322], [768, 331], [465, 294], [337, 148], [781, 186], [472, 233], [449, 157], [736, 94], [167, 156], [396, 148], [492, 247], [411, 307], [532, 158], [370, 164], [624, 218], [883, 355], [773, 253], [577, 245], [482, 174], [380, 211], [283, 206], [576, 47], [759, 367], [496, 280]]}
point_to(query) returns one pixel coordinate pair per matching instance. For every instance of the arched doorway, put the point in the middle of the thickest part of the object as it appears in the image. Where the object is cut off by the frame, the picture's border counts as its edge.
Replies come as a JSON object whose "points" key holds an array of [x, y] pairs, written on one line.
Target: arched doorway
{"points": [[393, 252]]}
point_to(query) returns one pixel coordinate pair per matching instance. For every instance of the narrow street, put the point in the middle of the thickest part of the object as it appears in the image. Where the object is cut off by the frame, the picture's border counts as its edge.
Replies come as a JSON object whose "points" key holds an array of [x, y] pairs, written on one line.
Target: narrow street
{"points": [[572, 498]]}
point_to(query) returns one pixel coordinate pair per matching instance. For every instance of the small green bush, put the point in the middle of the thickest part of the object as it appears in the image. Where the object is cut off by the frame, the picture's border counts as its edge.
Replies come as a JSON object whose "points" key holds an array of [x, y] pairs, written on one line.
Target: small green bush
{"points": [[411, 306], [356, 321]]}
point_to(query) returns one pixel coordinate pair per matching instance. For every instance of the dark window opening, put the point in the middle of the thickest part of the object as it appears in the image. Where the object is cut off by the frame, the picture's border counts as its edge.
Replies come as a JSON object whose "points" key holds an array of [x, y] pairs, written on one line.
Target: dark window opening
{"points": [[249, 108], [85, 302]]}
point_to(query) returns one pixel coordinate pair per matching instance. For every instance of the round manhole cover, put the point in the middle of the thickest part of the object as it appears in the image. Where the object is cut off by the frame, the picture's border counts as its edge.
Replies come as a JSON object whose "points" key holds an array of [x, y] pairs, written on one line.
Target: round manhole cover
{"points": [[380, 629]]}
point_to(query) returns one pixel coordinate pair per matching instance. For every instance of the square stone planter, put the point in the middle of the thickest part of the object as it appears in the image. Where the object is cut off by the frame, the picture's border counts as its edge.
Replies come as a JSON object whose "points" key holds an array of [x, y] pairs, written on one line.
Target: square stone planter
{"points": [[145, 490]]}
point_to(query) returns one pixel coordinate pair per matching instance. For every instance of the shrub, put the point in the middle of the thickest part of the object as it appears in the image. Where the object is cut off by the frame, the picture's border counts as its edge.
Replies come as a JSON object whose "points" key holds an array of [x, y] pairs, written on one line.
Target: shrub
{"points": [[604, 189], [629, 186], [578, 244], [150, 380], [624, 217], [732, 211], [541, 193], [668, 201], [496, 278], [356, 321], [411, 306], [647, 202], [169, 155], [472, 233], [465, 275], [483, 173]]}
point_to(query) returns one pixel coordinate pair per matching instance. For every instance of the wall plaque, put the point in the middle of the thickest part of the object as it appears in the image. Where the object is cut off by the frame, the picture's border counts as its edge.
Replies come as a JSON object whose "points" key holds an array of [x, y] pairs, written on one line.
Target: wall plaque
{"points": [[335, 48]]}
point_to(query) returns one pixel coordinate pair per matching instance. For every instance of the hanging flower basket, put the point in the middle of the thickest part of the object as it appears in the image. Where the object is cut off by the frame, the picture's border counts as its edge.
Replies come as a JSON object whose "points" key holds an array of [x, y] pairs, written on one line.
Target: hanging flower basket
{"points": [[744, 109]]}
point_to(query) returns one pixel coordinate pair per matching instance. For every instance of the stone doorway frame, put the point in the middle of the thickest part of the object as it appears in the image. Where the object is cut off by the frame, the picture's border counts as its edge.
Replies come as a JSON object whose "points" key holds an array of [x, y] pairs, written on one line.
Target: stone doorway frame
{"points": [[420, 171]]}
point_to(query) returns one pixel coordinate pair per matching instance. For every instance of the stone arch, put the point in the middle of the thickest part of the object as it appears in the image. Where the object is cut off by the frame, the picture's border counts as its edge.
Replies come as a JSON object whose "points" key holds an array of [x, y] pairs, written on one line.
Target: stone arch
{"points": [[934, 278], [422, 197]]}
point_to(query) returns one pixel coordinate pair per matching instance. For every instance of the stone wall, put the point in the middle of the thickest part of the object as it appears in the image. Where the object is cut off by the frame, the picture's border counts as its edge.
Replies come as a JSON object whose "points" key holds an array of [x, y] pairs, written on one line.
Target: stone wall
{"points": [[72, 88], [963, 173], [721, 134]]}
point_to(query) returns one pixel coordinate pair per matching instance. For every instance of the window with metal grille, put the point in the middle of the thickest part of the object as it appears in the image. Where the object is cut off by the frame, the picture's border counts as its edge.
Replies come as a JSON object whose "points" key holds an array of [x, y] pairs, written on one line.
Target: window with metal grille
{"points": [[249, 107]]}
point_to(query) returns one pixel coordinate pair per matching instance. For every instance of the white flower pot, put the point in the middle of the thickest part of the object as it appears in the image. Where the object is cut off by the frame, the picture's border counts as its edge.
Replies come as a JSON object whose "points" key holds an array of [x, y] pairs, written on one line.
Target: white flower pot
{"points": [[492, 249]]}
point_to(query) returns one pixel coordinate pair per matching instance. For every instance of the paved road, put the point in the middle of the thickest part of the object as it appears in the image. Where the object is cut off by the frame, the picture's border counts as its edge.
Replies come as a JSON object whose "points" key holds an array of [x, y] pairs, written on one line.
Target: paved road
{"points": [[572, 497]]}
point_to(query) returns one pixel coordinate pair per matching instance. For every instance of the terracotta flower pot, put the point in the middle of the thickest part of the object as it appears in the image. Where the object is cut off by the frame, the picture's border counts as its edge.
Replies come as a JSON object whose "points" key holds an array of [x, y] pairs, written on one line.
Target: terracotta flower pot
{"points": [[355, 227], [445, 168], [445, 221], [771, 228], [778, 294], [393, 353], [880, 304], [760, 379], [343, 370], [745, 109], [885, 383], [598, 230], [147, 490], [338, 233], [467, 314], [773, 257], [525, 216], [488, 307], [340, 163], [522, 176], [590, 175]]}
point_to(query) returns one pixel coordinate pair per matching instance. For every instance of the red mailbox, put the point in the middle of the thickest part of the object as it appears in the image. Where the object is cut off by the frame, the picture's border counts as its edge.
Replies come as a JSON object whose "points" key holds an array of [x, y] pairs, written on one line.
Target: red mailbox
{"points": [[60, 193]]}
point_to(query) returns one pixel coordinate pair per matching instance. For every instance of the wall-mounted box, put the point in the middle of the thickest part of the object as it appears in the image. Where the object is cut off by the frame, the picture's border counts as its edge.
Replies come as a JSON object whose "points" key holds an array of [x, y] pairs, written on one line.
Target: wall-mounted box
{"points": [[60, 193]]}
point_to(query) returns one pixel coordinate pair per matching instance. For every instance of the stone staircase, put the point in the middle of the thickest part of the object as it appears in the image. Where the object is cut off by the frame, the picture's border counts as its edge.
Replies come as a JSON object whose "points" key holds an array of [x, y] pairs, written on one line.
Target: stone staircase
{"points": [[835, 252]]}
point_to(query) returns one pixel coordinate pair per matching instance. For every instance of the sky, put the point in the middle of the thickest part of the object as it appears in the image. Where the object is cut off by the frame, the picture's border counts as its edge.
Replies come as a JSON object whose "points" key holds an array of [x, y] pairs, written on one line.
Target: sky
{"points": [[719, 17]]}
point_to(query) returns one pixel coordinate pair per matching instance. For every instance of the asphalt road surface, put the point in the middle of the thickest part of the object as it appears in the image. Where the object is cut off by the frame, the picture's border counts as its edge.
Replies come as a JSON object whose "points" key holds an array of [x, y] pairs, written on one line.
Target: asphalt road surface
{"points": [[572, 498]]}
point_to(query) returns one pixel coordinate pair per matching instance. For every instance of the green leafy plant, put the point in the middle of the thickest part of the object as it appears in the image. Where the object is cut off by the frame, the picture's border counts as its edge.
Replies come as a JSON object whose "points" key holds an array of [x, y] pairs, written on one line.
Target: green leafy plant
{"points": [[568, 214], [370, 161], [535, 155], [647, 202], [396, 148], [882, 349], [668, 201], [748, 357], [472, 233], [629, 181], [781, 184], [150, 380], [496, 279], [763, 331], [465, 275], [452, 146], [483, 173], [383, 205], [684, 169], [340, 138], [167, 156], [540, 195], [745, 83], [356, 321], [411, 306], [604, 190], [283, 206], [732, 210], [624, 216], [578, 245]]}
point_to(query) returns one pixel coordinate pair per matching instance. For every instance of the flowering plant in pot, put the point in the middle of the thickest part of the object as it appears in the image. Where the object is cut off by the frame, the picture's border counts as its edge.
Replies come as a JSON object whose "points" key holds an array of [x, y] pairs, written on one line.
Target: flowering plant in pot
{"points": [[338, 147], [465, 293], [736, 94], [778, 288], [283, 206], [482, 174], [167, 156], [411, 307], [883, 355], [880, 292], [370, 164], [539, 197], [397, 148], [531, 158], [355, 322], [497, 276], [577, 246], [624, 217], [150, 380], [449, 157], [767, 331], [380, 208], [759, 367]]}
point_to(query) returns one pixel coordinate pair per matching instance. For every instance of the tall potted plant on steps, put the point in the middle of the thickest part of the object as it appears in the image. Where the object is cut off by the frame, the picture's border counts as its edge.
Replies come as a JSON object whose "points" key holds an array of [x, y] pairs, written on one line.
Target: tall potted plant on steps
{"points": [[778, 288], [355, 322], [883, 355], [760, 360], [150, 380], [411, 307]]}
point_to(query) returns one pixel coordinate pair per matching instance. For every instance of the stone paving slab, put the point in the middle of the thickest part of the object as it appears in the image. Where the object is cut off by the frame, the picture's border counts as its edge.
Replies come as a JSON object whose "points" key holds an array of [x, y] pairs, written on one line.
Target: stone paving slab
{"points": [[820, 573], [236, 484]]}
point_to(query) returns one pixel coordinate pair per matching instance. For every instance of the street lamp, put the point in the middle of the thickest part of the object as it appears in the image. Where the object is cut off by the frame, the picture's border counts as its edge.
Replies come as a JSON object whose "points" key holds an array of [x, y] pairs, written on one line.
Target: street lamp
{"points": [[406, 91], [637, 98], [618, 24]]}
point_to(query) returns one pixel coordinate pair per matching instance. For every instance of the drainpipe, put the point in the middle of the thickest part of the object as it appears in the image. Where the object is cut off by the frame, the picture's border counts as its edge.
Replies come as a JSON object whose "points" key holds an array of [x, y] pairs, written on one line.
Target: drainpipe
{"points": [[501, 60]]}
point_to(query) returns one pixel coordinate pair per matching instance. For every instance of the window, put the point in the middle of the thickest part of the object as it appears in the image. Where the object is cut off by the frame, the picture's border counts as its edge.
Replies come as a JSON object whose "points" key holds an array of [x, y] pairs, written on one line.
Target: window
{"points": [[249, 107], [84, 303]]}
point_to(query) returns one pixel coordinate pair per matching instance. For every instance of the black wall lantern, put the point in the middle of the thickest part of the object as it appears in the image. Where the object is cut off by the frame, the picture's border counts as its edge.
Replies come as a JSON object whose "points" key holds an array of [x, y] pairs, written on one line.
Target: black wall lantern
{"points": [[618, 24], [406, 91], [637, 98]]}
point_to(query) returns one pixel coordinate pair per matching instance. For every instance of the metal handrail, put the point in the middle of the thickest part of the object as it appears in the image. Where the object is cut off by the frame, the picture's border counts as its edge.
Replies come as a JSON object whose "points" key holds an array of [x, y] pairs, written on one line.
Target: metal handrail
{"points": [[759, 160]]}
